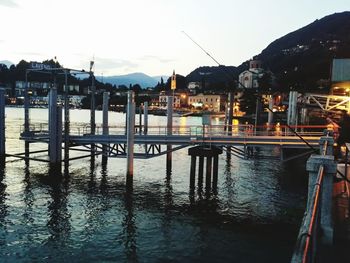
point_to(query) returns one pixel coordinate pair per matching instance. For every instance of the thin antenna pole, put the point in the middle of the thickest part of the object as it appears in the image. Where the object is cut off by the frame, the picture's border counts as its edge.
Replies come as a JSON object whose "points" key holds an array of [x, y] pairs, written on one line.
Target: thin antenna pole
{"points": [[201, 48]]}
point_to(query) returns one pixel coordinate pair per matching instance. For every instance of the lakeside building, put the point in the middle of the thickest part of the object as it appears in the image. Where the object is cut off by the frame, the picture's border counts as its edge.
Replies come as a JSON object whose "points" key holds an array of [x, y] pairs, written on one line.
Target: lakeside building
{"points": [[249, 78], [210, 102], [179, 100]]}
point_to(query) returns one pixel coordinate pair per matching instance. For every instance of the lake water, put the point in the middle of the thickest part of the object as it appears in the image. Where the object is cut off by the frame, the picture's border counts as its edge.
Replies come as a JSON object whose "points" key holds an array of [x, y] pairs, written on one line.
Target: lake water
{"points": [[87, 215]]}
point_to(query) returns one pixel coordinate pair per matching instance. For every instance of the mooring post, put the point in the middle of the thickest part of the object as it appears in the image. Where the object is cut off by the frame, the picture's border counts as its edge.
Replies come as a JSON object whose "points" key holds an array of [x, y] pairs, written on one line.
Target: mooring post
{"points": [[59, 136], [2, 127], [105, 129], [200, 171], [145, 117], [330, 168], [55, 134], [270, 113], [169, 131], [208, 173], [230, 118], [140, 119], [215, 172], [292, 108], [130, 136], [92, 112], [26, 117], [193, 171], [66, 119]]}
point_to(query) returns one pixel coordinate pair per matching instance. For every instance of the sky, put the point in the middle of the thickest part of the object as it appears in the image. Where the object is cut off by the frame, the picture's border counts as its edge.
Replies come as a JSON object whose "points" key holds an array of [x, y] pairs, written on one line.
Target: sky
{"points": [[127, 36]]}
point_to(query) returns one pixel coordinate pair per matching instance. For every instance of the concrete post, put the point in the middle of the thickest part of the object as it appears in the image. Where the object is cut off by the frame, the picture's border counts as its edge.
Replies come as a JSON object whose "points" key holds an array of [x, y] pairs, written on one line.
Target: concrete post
{"points": [[169, 131], [193, 171], [208, 173], [59, 136], [330, 167], [105, 129], [200, 171], [92, 112], [229, 121], [2, 127], [215, 171], [292, 108], [130, 135], [55, 123], [304, 119], [140, 119], [145, 117], [26, 116], [270, 113], [66, 120], [230, 112]]}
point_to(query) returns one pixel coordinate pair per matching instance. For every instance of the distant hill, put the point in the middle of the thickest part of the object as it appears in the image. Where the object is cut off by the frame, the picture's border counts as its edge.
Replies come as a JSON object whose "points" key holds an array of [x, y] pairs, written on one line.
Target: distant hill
{"points": [[302, 58], [299, 60], [142, 79]]}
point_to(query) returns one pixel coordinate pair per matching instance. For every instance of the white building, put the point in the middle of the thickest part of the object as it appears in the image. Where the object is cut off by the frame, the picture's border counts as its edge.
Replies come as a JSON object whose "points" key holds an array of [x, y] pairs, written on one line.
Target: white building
{"points": [[208, 102], [163, 101], [249, 78]]}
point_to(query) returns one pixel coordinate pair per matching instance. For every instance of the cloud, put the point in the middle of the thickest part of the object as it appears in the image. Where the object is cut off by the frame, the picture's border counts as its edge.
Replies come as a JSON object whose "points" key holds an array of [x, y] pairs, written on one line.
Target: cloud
{"points": [[156, 58], [33, 54], [109, 64], [8, 3]]}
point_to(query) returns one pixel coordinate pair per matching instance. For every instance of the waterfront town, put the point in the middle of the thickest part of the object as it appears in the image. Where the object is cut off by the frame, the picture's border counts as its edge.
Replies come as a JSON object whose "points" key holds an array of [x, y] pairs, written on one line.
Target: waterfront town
{"points": [[239, 163]]}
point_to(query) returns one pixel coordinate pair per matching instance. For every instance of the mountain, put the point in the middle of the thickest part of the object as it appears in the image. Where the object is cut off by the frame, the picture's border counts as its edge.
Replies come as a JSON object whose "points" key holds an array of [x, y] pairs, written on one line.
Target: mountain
{"points": [[299, 60], [142, 79], [302, 59]]}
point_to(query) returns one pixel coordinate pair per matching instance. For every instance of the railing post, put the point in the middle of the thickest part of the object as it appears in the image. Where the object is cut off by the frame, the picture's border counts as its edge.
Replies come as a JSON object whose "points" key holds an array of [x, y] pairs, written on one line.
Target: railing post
{"points": [[330, 168], [326, 141]]}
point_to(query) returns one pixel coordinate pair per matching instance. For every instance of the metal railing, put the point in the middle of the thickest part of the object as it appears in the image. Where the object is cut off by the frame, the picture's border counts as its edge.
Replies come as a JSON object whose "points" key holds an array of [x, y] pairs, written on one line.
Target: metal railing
{"points": [[194, 130], [310, 234]]}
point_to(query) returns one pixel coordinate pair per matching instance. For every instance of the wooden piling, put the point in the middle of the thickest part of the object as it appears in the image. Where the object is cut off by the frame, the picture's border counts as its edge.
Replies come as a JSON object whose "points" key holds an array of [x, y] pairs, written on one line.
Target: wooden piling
{"points": [[140, 119], [208, 173], [55, 129], [2, 127], [26, 117], [130, 135], [229, 121], [200, 171], [169, 131], [105, 129], [292, 108], [193, 172], [92, 112], [145, 117], [66, 120], [215, 172], [209, 153], [270, 113]]}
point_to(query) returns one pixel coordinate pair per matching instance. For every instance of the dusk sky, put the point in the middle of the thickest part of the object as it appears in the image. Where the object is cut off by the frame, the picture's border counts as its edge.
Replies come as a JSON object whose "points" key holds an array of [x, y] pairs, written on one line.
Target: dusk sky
{"points": [[126, 36]]}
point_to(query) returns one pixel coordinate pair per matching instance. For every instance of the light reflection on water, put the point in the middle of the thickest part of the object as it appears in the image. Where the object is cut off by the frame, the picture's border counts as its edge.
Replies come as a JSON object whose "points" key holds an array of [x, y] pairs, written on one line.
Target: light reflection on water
{"points": [[88, 213]]}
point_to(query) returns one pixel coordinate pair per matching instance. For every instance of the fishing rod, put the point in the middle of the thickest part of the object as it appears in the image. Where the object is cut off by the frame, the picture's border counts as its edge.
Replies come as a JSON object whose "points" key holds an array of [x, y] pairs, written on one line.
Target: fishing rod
{"points": [[244, 87]]}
